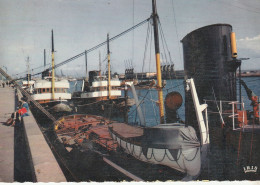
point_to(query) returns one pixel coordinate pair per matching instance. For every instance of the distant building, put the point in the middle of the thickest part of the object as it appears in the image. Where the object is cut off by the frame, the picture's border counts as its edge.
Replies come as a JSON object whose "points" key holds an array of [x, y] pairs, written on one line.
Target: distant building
{"points": [[168, 72], [249, 73], [129, 73], [121, 76], [146, 75]]}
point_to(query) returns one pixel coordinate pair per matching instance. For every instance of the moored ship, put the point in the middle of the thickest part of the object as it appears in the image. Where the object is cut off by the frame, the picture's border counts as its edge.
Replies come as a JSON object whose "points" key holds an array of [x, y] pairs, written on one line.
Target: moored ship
{"points": [[210, 57], [232, 131], [101, 95], [57, 101], [96, 97], [52, 93], [170, 144], [175, 144]]}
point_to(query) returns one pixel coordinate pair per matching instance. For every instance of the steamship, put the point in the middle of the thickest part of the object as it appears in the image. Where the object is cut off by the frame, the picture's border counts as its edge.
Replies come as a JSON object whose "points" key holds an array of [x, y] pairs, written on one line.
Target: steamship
{"points": [[208, 144], [101, 95], [218, 122], [95, 97], [52, 93], [179, 149], [210, 58], [56, 102]]}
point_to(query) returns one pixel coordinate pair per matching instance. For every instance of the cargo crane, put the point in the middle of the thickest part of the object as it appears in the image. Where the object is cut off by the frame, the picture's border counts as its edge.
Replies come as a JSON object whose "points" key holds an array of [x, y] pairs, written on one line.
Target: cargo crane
{"points": [[254, 101]]}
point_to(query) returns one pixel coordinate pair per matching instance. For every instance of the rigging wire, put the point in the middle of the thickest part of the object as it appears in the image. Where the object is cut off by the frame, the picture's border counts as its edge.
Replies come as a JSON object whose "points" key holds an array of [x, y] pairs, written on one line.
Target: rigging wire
{"points": [[165, 48], [149, 37], [146, 43], [176, 30], [164, 44], [150, 90], [150, 59], [50, 116], [97, 46], [140, 102], [155, 115], [133, 41], [42, 66], [242, 8], [163, 39]]}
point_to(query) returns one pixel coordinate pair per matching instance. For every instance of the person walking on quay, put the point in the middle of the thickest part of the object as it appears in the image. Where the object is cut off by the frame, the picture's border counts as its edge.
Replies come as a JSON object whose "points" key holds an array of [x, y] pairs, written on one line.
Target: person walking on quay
{"points": [[3, 84]]}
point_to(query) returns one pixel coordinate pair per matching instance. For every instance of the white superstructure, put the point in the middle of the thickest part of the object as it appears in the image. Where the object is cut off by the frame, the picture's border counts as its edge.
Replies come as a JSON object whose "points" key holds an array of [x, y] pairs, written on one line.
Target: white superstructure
{"points": [[25, 83], [29, 85], [42, 90], [99, 88]]}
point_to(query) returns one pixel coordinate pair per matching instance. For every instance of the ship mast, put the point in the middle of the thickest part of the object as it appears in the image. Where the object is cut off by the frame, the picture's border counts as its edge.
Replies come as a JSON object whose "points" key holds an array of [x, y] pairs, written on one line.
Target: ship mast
{"points": [[108, 63], [28, 71], [86, 63], [53, 75], [158, 64], [44, 59], [99, 64]]}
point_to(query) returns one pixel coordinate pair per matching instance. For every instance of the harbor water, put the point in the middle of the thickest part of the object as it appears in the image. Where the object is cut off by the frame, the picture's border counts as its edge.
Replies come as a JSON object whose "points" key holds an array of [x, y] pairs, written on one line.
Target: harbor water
{"points": [[82, 166], [148, 97]]}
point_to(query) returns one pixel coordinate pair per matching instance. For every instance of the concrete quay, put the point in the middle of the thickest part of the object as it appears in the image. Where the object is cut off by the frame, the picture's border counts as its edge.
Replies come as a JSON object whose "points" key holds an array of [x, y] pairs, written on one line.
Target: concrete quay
{"points": [[7, 106], [24, 153]]}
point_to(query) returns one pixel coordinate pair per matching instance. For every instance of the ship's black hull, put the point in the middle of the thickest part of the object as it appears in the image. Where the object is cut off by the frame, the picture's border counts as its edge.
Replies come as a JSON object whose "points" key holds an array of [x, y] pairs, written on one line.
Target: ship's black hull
{"points": [[92, 158], [56, 108], [107, 108], [231, 153]]}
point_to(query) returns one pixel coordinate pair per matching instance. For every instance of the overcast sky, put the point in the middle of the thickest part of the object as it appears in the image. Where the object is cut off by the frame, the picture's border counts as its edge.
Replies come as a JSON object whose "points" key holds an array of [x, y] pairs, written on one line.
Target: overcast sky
{"points": [[25, 30]]}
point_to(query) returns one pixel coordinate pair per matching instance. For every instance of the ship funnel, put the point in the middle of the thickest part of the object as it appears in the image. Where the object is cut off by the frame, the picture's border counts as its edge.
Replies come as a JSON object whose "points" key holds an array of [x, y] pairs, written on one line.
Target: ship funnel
{"points": [[209, 59], [92, 75]]}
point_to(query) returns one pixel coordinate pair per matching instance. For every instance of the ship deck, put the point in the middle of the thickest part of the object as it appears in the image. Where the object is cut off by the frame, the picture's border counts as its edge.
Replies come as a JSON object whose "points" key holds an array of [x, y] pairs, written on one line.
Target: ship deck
{"points": [[126, 131]]}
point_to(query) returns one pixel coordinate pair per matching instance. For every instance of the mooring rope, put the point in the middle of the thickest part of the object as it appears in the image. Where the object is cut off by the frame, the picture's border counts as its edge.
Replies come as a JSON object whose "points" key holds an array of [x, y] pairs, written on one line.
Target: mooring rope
{"points": [[28, 96]]}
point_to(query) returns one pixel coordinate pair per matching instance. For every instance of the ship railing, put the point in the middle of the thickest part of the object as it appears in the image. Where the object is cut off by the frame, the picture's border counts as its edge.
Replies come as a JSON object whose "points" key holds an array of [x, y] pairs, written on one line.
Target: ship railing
{"points": [[233, 114]]}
